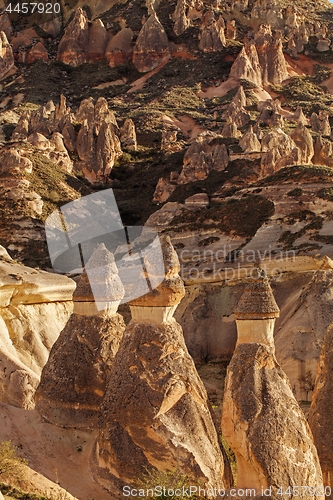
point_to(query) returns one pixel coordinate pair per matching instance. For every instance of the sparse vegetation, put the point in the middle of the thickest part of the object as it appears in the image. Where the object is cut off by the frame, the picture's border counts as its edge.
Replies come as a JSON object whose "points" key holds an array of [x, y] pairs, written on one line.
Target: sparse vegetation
{"points": [[11, 464]]}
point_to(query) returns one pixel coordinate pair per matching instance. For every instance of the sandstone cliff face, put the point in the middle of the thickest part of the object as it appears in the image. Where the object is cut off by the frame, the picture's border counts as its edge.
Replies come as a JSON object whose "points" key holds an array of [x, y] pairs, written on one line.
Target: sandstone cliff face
{"points": [[264, 425], [320, 419], [155, 408], [73, 45], [152, 46], [74, 379]]}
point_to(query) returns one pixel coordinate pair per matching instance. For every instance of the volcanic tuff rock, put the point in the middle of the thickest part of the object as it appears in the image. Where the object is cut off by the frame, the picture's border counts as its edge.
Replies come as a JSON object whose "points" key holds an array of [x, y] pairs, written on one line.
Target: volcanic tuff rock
{"points": [[303, 140], [212, 34], [246, 65], [119, 49], [74, 44], [34, 307], [271, 58], [264, 425], [6, 56], [74, 379], [128, 135], [155, 408], [98, 38], [181, 21], [249, 142], [320, 415], [152, 46], [37, 52], [204, 154], [302, 328]]}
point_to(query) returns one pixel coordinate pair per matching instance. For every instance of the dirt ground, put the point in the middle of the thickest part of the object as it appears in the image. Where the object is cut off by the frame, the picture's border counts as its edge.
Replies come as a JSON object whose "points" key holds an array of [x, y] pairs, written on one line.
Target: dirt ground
{"points": [[61, 455]]}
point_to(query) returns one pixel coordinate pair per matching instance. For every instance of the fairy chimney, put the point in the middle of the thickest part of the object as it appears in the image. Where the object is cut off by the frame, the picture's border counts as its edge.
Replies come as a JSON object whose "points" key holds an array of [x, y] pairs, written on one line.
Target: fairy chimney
{"points": [[256, 313], [74, 378]]}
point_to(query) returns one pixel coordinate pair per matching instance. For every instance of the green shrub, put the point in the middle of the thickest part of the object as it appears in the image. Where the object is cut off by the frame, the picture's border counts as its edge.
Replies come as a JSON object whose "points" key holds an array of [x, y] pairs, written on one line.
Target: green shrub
{"points": [[11, 464]]}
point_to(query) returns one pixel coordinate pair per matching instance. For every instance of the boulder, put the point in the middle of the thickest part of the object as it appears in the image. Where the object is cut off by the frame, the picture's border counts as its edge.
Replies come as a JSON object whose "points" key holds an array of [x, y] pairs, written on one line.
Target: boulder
{"points": [[12, 162], [323, 45], [74, 378], [107, 150], [303, 140], [247, 66], [155, 408], [325, 128], [21, 131], [128, 135], [39, 141], [320, 419], [6, 56], [261, 419], [98, 38], [120, 49], [73, 46], [152, 46]]}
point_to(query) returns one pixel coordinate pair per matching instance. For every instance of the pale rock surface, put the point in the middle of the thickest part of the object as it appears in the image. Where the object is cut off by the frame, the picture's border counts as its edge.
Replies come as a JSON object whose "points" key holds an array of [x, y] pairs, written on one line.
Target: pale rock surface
{"points": [[199, 200], [74, 378], [320, 419], [98, 38], [37, 53], [152, 46], [204, 154], [323, 153], [230, 130], [299, 117], [163, 190], [119, 48], [249, 142], [231, 30], [128, 135], [247, 65], [155, 408], [240, 98], [6, 55], [325, 128], [302, 327], [74, 43], [257, 394], [181, 21], [271, 58], [212, 35], [303, 140]]}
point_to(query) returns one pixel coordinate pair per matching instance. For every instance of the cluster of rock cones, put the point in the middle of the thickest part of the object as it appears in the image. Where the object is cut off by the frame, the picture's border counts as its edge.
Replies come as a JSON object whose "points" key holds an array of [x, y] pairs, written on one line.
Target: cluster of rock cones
{"points": [[138, 386]]}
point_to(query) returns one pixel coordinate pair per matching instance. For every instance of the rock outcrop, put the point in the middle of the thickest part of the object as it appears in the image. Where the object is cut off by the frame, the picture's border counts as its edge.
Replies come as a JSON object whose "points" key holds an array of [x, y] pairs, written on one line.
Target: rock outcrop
{"points": [[249, 142], [155, 408], [204, 154], [212, 36], [303, 140], [128, 135], [98, 39], [6, 56], [74, 379], [271, 58], [320, 419], [74, 43], [181, 21], [34, 307], [261, 419], [247, 65], [152, 46], [120, 49]]}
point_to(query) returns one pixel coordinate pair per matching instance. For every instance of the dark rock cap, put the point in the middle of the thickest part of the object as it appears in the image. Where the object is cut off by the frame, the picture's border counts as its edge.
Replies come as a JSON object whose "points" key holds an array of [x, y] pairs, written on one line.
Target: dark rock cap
{"points": [[257, 302]]}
